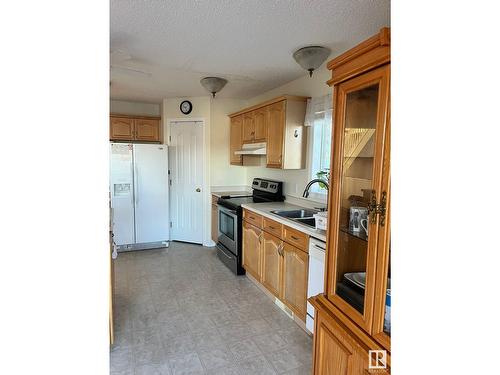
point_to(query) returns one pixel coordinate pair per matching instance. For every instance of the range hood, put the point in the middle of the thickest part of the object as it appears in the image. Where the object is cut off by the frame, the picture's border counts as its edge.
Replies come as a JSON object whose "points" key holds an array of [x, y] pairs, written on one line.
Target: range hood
{"points": [[252, 149]]}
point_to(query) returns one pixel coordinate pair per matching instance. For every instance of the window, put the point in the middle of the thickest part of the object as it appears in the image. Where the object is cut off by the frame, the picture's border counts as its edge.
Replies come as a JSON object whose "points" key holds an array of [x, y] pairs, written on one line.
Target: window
{"points": [[319, 117]]}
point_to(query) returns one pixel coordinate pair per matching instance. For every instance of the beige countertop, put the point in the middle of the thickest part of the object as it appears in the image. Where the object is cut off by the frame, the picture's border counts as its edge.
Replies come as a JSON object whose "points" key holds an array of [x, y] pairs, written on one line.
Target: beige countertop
{"points": [[240, 193], [265, 209]]}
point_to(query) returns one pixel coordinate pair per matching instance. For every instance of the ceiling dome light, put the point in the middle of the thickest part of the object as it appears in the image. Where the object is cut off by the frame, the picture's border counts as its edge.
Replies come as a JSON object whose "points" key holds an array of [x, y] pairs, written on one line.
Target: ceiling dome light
{"points": [[213, 84], [311, 57]]}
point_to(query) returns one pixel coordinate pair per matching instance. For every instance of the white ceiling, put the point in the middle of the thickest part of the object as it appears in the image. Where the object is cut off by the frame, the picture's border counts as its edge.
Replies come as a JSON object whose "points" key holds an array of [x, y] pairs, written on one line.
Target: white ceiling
{"points": [[250, 43]]}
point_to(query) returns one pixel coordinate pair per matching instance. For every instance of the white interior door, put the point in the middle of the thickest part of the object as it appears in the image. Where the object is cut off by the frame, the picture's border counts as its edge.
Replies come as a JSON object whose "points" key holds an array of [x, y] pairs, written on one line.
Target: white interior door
{"points": [[186, 175], [151, 193], [122, 193]]}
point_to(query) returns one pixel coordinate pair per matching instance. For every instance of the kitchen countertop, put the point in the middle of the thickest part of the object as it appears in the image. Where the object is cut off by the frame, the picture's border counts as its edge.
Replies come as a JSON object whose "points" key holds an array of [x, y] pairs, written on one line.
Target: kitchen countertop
{"points": [[240, 193], [265, 209]]}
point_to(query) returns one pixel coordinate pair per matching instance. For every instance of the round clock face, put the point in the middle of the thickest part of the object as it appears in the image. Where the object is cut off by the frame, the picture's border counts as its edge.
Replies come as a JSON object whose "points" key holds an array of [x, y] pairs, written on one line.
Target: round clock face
{"points": [[186, 107]]}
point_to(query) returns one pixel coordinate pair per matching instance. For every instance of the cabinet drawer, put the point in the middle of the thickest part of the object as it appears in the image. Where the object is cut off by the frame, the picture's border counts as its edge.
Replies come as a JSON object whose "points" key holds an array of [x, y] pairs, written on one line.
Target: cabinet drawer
{"points": [[252, 218], [214, 199], [296, 238], [273, 227]]}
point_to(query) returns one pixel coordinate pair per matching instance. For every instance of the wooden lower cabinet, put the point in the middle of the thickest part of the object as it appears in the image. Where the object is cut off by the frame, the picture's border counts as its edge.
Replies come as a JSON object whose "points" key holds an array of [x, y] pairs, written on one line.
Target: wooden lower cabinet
{"points": [[339, 350], [272, 263], [279, 266], [252, 249], [215, 223], [295, 269], [337, 353]]}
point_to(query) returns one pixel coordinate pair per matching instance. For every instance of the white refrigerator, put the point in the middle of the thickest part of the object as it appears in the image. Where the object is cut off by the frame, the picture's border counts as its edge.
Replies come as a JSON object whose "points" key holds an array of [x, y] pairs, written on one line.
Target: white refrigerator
{"points": [[139, 195]]}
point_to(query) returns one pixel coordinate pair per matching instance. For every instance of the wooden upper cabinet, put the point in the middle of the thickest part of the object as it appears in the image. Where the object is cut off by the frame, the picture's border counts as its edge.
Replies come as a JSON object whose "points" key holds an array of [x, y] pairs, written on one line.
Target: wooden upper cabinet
{"points": [[261, 121], [248, 128], [235, 142], [295, 269], [147, 130], [280, 123], [272, 263], [121, 128], [252, 249], [134, 128], [275, 135]]}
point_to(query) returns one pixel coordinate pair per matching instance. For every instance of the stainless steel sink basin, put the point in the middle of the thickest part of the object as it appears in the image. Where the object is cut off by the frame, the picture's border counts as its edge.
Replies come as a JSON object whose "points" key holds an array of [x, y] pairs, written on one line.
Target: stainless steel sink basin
{"points": [[310, 221], [295, 214]]}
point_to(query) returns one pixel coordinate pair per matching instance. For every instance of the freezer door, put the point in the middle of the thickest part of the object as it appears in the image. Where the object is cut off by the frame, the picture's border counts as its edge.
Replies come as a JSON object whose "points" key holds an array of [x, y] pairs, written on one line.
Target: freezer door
{"points": [[122, 193], [151, 193]]}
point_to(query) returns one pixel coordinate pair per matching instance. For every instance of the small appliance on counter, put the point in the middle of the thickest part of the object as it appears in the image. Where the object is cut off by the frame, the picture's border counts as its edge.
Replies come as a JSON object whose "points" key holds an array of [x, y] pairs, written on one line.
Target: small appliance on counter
{"points": [[230, 212], [321, 220]]}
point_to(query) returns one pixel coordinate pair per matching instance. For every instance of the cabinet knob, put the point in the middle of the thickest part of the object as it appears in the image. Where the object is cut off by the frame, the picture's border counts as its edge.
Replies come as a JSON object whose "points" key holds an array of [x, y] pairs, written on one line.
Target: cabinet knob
{"points": [[198, 190]]}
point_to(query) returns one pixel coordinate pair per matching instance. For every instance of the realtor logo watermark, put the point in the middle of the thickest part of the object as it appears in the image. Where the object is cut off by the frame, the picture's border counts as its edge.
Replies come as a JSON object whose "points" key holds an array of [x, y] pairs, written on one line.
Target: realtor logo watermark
{"points": [[377, 359]]}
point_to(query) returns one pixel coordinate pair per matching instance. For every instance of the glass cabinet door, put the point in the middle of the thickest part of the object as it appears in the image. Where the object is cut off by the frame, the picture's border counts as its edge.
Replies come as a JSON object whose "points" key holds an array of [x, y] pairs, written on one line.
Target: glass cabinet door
{"points": [[360, 122]]}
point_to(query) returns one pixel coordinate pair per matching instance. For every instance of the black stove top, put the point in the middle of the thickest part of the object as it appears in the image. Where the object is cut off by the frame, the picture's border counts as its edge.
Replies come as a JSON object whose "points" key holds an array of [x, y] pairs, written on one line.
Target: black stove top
{"points": [[235, 203], [263, 191]]}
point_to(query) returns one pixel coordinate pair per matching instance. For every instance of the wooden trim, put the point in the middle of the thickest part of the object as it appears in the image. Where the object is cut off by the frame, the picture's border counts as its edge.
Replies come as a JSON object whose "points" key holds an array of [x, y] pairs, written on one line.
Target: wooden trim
{"points": [[383, 252], [269, 102], [134, 116], [367, 55]]}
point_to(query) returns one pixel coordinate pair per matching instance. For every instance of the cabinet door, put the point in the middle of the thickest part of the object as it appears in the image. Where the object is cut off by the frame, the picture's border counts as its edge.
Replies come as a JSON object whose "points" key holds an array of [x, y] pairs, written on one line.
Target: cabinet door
{"points": [[295, 268], [121, 128], [215, 223], [252, 249], [147, 130], [275, 135], [261, 117], [248, 127], [272, 263], [335, 351], [235, 132], [361, 120]]}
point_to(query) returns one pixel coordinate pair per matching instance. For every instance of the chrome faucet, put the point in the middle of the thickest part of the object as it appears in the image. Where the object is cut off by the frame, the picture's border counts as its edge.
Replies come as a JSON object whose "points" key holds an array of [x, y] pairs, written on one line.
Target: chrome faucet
{"points": [[305, 194]]}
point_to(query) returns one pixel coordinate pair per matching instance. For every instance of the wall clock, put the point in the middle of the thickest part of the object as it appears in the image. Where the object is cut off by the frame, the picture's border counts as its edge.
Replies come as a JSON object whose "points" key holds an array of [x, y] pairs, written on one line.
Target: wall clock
{"points": [[186, 107]]}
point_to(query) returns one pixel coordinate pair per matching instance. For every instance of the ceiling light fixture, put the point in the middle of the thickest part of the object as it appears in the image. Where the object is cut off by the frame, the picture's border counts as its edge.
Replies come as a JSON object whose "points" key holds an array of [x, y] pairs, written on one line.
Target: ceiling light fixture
{"points": [[311, 57], [213, 84]]}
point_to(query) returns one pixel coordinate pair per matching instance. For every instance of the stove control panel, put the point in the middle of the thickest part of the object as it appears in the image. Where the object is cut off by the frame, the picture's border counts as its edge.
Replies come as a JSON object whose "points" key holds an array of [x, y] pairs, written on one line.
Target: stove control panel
{"points": [[269, 186]]}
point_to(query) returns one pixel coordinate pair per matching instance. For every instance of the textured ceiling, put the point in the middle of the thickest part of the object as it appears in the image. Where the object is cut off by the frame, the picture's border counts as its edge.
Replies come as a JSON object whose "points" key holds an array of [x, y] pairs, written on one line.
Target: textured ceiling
{"points": [[250, 43]]}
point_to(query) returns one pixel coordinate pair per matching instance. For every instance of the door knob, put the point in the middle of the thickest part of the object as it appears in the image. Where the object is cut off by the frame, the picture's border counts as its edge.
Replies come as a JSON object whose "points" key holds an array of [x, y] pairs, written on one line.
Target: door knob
{"points": [[198, 190]]}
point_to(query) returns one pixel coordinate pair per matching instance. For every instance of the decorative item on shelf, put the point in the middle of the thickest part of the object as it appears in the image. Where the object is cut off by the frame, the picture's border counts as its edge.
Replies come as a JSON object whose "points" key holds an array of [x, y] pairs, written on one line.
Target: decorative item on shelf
{"points": [[356, 214], [186, 107], [213, 84], [311, 57]]}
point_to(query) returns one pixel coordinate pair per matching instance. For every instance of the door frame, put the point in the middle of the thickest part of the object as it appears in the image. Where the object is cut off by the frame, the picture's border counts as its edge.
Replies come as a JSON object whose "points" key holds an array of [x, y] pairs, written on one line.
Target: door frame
{"points": [[206, 198]]}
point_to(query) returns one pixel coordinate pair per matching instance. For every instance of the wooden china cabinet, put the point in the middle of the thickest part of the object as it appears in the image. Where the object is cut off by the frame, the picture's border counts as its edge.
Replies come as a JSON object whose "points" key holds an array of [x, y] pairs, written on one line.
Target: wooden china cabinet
{"points": [[352, 316]]}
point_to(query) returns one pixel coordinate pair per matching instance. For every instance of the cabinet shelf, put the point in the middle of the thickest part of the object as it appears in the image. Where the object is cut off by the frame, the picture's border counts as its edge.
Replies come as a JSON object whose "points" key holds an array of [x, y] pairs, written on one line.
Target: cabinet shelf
{"points": [[359, 235]]}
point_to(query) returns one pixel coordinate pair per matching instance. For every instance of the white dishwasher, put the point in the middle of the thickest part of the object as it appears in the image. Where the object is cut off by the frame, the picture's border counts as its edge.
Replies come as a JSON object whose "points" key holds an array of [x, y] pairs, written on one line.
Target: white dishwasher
{"points": [[315, 283]]}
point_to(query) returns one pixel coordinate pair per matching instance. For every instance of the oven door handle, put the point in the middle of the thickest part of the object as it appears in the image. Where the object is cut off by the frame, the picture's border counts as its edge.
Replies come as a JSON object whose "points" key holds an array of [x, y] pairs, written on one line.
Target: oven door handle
{"points": [[231, 212]]}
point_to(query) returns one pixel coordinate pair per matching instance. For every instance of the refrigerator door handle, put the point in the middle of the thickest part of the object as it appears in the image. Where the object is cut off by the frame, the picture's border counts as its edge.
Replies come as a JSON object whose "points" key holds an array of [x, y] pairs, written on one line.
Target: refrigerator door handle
{"points": [[136, 183]]}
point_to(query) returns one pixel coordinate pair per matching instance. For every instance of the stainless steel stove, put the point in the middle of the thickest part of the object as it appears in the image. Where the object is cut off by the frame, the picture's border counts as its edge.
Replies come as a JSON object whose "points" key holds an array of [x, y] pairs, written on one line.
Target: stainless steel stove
{"points": [[229, 245]]}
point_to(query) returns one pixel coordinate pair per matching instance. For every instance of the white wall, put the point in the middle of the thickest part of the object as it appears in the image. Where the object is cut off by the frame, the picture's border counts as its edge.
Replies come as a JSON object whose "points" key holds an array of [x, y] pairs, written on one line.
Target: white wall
{"points": [[294, 180], [134, 108], [222, 173]]}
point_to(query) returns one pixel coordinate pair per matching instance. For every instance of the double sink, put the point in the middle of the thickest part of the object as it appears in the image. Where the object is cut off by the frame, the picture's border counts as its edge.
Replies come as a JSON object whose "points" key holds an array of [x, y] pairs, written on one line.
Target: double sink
{"points": [[303, 216]]}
